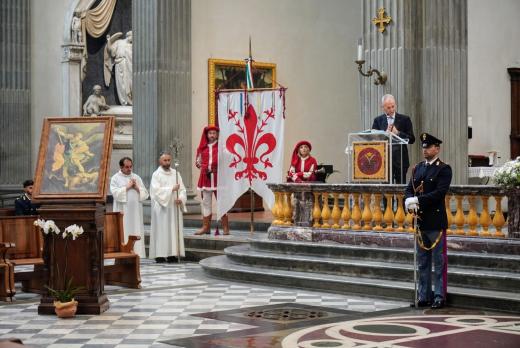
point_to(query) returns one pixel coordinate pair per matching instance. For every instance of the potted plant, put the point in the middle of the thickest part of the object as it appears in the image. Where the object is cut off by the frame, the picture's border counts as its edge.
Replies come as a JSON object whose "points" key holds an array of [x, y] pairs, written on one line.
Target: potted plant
{"points": [[64, 305], [508, 177]]}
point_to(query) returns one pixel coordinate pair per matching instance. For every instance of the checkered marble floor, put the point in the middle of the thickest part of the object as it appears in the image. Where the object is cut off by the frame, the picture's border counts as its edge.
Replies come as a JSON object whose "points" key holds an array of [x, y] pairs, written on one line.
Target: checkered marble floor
{"points": [[162, 310]]}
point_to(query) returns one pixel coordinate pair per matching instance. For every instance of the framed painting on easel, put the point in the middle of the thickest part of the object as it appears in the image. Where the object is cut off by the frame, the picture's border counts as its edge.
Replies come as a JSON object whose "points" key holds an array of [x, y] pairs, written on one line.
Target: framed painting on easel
{"points": [[73, 159]]}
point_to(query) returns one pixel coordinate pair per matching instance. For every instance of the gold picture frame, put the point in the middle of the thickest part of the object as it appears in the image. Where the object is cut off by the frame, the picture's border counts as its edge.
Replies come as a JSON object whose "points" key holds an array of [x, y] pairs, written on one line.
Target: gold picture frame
{"points": [[370, 161], [74, 158], [228, 74]]}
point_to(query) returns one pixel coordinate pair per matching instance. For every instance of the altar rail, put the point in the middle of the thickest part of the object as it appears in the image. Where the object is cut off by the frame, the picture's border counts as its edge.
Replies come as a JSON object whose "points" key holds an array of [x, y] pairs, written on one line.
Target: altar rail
{"points": [[343, 207]]}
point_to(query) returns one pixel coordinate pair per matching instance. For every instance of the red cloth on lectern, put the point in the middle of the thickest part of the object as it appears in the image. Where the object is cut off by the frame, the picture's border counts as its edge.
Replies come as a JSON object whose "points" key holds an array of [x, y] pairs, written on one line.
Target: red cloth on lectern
{"points": [[302, 169], [207, 154]]}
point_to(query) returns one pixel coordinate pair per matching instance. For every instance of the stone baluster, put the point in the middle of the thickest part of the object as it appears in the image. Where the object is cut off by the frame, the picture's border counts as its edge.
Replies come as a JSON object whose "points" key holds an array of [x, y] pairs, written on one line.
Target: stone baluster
{"points": [[447, 201], [399, 214], [287, 209], [472, 217], [389, 213], [485, 219], [367, 214], [378, 214], [336, 212], [356, 212], [345, 214], [275, 212], [325, 212], [409, 222], [316, 211], [459, 216], [498, 219]]}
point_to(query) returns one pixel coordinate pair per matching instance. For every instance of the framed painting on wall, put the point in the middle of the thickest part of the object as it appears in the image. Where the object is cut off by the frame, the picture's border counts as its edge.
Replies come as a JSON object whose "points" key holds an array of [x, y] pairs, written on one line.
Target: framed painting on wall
{"points": [[74, 158], [226, 74]]}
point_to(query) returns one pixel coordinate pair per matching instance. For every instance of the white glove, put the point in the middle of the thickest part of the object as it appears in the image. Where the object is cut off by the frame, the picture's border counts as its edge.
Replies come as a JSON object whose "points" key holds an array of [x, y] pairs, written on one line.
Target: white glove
{"points": [[412, 204]]}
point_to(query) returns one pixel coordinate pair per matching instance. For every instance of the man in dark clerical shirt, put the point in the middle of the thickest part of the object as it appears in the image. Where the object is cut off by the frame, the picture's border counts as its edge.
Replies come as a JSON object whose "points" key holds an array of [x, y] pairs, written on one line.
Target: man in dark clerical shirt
{"points": [[400, 125], [23, 204]]}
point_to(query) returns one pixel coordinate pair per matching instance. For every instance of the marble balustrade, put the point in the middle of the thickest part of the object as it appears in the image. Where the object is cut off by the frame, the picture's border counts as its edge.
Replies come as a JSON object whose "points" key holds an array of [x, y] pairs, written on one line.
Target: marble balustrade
{"points": [[471, 210]]}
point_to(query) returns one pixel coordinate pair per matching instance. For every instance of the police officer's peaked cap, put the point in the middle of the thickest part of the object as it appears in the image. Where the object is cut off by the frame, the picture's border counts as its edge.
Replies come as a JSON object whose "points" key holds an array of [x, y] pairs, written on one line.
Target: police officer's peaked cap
{"points": [[427, 140]]}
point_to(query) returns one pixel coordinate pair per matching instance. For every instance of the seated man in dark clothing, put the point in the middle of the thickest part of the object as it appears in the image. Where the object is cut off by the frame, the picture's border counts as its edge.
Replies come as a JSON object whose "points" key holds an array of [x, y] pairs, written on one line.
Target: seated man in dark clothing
{"points": [[23, 204]]}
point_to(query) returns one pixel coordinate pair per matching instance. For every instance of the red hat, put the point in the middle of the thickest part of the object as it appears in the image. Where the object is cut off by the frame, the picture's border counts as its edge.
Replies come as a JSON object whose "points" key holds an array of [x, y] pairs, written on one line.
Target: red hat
{"points": [[204, 137], [294, 158]]}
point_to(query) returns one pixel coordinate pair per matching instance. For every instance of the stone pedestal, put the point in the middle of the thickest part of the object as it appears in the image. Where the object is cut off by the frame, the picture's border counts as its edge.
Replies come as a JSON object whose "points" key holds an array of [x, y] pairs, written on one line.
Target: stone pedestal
{"points": [[122, 144]]}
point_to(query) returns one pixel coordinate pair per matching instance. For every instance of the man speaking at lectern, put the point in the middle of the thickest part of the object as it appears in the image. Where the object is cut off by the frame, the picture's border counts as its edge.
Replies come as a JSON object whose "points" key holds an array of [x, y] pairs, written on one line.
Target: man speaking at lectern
{"points": [[401, 126]]}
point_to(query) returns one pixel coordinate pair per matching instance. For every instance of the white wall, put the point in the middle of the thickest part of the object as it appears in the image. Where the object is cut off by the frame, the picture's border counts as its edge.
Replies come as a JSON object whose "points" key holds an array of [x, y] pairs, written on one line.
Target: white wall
{"points": [[493, 46], [313, 44], [47, 20]]}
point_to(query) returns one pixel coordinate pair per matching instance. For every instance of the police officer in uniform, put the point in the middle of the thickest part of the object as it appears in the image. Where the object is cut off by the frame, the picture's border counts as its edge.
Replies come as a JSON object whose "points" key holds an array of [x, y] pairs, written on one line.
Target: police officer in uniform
{"points": [[425, 194], [23, 204]]}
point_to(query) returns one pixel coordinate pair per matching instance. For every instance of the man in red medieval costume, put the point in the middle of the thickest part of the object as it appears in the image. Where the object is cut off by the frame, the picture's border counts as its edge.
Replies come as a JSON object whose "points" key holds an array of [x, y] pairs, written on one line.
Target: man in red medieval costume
{"points": [[207, 162], [303, 165]]}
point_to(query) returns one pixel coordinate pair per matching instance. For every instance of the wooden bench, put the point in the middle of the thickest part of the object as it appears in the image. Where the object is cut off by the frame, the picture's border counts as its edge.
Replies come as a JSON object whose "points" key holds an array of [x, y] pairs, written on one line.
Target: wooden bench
{"points": [[21, 244], [126, 270]]}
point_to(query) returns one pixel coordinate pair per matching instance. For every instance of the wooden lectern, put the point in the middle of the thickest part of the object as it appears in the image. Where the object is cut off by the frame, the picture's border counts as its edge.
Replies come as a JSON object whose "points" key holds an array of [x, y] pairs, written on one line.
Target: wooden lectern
{"points": [[70, 183]]}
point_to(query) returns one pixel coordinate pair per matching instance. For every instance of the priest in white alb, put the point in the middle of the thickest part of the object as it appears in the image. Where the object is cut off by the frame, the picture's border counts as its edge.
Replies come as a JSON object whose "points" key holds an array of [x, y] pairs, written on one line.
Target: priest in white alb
{"points": [[129, 192], [168, 196]]}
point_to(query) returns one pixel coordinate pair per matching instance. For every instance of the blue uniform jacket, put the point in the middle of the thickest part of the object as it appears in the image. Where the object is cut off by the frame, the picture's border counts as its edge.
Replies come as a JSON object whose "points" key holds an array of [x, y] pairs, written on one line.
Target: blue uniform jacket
{"points": [[435, 180]]}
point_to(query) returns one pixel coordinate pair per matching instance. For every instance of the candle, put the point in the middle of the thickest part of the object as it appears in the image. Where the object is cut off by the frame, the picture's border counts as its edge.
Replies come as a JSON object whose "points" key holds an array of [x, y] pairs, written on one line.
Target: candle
{"points": [[360, 49]]}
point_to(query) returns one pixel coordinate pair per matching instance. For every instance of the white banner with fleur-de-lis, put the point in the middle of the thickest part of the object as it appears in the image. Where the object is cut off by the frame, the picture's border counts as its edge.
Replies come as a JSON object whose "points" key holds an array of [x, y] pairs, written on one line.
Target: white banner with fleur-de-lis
{"points": [[250, 146]]}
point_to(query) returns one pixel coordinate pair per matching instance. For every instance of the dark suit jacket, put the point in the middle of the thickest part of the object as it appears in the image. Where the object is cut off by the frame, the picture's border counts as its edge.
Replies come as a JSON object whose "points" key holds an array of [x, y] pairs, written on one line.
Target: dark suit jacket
{"points": [[404, 125], [436, 179], [24, 206]]}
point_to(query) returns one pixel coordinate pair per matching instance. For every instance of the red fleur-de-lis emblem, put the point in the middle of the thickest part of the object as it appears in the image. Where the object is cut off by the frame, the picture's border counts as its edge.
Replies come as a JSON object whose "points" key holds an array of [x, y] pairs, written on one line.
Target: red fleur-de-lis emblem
{"points": [[250, 136]]}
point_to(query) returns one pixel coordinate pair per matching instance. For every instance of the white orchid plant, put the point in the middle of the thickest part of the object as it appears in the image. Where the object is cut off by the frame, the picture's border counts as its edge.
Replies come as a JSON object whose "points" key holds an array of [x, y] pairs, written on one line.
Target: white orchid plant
{"points": [[49, 227], [508, 175]]}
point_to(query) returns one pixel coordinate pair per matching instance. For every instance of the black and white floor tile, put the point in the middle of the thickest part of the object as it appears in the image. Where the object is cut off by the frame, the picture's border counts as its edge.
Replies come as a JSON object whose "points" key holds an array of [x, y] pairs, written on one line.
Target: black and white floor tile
{"points": [[161, 311]]}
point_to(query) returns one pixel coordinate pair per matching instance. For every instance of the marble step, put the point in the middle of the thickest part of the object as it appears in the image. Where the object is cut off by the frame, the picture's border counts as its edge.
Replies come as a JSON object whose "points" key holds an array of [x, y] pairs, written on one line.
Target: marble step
{"points": [[474, 260], [367, 268], [224, 267]]}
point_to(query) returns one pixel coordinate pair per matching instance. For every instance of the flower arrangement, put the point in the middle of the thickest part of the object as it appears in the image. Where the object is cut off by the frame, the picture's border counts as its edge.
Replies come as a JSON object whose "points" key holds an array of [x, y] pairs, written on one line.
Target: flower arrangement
{"points": [[66, 294], [508, 176]]}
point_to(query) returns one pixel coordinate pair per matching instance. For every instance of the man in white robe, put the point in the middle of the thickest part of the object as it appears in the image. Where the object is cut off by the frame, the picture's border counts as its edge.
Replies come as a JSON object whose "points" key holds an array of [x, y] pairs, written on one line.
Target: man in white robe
{"points": [[129, 192], [168, 196]]}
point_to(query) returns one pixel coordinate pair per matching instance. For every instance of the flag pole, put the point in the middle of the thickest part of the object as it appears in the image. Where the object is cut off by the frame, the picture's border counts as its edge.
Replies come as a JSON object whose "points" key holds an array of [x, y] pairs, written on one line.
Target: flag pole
{"points": [[252, 220], [251, 192]]}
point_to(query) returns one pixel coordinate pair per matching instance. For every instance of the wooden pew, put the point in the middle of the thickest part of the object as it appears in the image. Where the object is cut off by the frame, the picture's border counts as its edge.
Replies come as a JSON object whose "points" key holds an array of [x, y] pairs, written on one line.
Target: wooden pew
{"points": [[22, 246], [21, 243], [126, 269]]}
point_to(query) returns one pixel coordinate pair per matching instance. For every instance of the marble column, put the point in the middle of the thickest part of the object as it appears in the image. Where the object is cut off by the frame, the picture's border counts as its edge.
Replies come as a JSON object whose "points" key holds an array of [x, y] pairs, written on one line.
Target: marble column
{"points": [[424, 53], [15, 69], [162, 83]]}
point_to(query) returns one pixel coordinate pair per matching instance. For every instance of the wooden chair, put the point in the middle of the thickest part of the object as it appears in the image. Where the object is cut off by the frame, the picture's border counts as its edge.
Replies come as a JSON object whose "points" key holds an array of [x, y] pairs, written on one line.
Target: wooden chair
{"points": [[126, 269], [21, 245]]}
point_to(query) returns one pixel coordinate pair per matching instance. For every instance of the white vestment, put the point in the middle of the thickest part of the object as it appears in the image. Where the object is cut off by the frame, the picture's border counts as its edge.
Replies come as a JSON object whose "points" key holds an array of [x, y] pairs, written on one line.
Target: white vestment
{"points": [[164, 235], [129, 202]]}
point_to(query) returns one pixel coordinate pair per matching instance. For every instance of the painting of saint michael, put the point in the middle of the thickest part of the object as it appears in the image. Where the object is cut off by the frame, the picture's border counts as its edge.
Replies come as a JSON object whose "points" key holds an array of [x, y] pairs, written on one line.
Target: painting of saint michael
{"points": [[73, 157]]}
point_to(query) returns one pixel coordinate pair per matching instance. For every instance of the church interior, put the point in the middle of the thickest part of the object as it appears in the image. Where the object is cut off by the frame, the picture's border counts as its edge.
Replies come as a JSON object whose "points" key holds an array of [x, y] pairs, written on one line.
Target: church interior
{"points": [[276, 173]]}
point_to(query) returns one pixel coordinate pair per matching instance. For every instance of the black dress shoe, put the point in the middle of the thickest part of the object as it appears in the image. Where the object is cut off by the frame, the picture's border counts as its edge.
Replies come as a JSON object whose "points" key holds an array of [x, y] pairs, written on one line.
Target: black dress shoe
{"points": [[438, 304], [160, 259], [421, 304], [171, 259]]}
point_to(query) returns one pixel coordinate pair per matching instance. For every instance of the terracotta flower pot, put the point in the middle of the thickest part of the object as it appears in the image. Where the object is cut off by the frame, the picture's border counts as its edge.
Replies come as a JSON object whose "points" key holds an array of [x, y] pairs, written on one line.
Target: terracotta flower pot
{"points": [[65, 309]]}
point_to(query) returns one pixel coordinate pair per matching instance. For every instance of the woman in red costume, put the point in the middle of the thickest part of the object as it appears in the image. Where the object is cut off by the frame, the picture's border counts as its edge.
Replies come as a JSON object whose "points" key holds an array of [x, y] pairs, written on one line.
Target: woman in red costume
{"points": [[303, 165]]}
